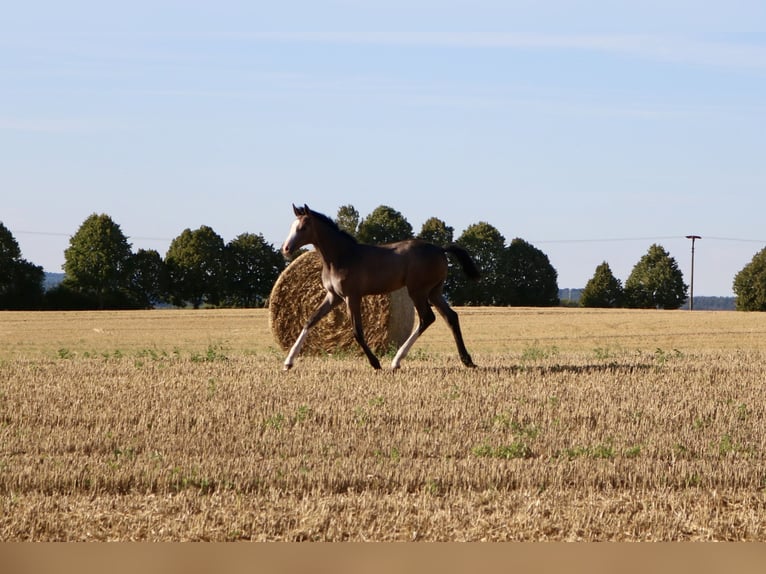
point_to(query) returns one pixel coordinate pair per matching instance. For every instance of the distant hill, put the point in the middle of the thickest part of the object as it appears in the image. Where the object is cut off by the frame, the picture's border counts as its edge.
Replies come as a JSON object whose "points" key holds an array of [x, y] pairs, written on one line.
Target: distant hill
{"points": [[571, 297], [52, 279], [715, 303]]}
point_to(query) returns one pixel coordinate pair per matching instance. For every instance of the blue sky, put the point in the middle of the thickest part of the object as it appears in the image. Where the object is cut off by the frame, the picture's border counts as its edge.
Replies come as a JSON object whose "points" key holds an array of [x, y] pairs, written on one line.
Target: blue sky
{"points": [[590, 129]]}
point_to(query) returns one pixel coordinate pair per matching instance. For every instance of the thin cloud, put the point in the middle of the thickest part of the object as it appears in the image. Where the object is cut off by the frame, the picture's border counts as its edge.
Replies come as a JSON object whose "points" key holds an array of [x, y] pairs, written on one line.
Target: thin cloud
{"points": [[60, 125], [658, 48], [40, 125]]}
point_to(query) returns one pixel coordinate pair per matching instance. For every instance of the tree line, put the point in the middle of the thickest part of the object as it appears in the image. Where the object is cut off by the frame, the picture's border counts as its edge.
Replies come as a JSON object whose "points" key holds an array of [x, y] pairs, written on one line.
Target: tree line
{"points": [[200, 269]]}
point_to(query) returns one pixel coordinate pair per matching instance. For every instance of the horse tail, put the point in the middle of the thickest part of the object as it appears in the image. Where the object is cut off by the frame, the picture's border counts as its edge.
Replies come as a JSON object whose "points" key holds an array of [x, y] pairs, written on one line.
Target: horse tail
{"points": [[465, 260]]}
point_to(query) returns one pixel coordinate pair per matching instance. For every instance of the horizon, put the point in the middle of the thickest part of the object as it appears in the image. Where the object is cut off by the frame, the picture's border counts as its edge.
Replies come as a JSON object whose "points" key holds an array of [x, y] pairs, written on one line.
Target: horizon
{"points": [[53, 278]]}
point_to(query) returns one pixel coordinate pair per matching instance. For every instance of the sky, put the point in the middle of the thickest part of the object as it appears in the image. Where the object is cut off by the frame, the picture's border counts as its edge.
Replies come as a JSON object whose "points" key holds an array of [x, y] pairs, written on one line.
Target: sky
{"points": [[590, 129]]}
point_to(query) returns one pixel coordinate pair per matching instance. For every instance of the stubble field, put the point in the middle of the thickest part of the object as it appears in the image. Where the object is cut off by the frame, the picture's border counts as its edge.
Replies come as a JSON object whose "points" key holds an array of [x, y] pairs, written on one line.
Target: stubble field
{"points": [[577, 425]]}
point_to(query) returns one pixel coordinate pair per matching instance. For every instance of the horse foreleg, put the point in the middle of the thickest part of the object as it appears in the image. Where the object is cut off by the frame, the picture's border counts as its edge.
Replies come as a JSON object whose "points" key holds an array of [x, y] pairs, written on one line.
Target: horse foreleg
{"points": [[330, 301], [355, 313], [426, 318]]}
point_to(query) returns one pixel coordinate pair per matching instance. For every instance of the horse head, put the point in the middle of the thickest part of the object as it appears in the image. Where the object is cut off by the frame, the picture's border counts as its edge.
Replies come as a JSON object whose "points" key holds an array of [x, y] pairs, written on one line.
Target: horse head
{"points": [[301, 231]]}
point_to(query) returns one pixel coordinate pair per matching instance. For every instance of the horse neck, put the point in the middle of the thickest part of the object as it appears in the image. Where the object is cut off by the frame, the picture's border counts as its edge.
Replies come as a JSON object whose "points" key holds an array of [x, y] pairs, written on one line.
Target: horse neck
{"points": [[333, 246]]}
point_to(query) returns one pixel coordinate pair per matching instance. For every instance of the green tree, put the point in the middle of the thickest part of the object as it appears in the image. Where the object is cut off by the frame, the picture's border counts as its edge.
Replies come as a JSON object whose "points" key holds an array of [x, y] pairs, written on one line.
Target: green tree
{"points": [[384, 225], [9, 248], [603, 289], [486, 245], [348, 219], [252, 267], [21, 282], [436, 231], [656, 282], [148, 278], [526, 277], [195, 262], [750, 284], [97, 262]]}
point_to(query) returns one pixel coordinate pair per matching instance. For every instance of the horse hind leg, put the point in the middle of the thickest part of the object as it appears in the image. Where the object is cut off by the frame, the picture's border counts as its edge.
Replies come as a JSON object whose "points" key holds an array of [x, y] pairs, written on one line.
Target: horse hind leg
{"points": [[450, 316], [354, 305], [426, 318]]}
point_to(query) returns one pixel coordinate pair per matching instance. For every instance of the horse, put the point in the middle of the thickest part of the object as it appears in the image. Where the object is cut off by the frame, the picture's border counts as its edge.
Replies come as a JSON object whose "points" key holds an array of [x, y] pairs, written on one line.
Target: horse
{"points": [[351, 270]]}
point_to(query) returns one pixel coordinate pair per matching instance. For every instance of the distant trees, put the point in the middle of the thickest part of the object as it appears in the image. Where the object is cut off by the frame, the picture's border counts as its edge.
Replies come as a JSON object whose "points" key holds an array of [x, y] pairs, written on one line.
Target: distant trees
{"points": [[252, 267], [750, 284], [517, 274], [486, 245], [103, 273], [384, 225], [195, 267], [348, 219], [21, 282], [603, 289], [148, 280], [656, 282], [204, 270], [199, 269], [97, 262], [436, 231], [529, 277]]}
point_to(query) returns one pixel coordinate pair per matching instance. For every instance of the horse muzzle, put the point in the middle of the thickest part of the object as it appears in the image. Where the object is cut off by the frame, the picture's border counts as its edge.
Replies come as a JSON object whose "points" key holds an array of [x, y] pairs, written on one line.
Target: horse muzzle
{"points": [[289, 248]]}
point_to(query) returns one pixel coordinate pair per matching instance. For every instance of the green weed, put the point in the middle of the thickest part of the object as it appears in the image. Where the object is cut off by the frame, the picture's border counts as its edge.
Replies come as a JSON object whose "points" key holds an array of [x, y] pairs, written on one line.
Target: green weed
{"points": [[536, 353], [213, 354], [661, 357], [603, 450], [275, 422]]}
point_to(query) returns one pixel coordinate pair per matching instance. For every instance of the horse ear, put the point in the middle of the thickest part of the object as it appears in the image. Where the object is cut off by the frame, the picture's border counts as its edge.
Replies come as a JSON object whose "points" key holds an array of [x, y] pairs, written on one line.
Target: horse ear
{"points": [[306, 209], [296, 210]]}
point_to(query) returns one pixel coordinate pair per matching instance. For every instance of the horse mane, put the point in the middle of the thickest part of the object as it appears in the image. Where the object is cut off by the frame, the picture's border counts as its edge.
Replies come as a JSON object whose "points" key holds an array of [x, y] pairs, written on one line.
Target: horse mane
{"points": [[332, 224]]}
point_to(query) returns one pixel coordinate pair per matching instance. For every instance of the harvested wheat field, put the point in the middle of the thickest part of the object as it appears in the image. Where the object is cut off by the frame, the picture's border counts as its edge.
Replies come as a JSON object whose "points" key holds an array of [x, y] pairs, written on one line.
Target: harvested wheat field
{"points": [[577, 425]]}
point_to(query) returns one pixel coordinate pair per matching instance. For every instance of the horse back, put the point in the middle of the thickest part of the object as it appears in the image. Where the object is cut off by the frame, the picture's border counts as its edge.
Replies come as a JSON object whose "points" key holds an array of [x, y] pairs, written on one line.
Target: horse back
{"points": [[419, 265], [379, 269]]}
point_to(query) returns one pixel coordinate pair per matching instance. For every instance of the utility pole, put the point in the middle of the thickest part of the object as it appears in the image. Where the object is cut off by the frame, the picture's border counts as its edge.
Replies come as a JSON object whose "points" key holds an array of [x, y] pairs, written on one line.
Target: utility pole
{"points": [[691, 297]]}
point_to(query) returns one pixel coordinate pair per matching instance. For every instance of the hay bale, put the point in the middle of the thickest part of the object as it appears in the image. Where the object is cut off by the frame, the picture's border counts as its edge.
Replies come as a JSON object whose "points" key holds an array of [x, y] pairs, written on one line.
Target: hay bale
{"points": [[387, 319]]}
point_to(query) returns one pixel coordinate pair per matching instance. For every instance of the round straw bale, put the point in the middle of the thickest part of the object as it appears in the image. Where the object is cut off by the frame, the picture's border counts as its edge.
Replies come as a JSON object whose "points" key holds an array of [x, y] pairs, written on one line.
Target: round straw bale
{"points": [[387, 319]]}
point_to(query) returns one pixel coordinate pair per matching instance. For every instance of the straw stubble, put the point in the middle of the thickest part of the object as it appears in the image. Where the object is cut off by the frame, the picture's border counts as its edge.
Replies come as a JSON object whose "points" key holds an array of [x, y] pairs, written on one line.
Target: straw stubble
{"points": [[187, 444]]}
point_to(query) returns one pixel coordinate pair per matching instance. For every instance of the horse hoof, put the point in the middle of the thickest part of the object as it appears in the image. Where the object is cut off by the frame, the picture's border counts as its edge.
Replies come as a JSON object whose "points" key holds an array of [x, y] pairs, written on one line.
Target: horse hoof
{"points": [[286, 368]]}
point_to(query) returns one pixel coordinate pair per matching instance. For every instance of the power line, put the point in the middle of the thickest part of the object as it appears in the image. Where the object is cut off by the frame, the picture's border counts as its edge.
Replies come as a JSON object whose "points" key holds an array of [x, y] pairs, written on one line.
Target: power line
{"points": [[661, 238], [56, 234], [740, 240], [590, 240], [608, 240], [49, 233]]}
